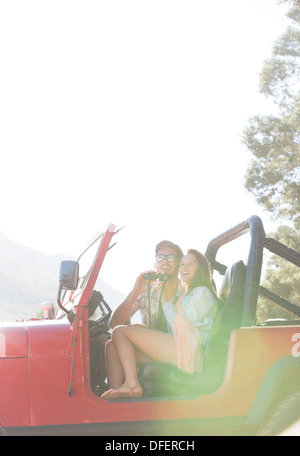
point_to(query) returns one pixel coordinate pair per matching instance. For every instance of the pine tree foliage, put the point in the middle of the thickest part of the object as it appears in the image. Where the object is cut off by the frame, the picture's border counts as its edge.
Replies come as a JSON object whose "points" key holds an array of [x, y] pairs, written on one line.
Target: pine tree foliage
{"points": [[273, 175], [274, 172]]}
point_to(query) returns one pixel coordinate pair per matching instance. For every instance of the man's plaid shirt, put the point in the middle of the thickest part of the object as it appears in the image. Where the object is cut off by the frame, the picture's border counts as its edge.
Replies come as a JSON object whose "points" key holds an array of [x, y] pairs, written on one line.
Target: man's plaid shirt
{"points": [[142, 304]]}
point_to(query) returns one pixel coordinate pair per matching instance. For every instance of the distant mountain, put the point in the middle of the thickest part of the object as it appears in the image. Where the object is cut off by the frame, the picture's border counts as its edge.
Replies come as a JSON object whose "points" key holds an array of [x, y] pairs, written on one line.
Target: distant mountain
{"points": [[29, 277]]}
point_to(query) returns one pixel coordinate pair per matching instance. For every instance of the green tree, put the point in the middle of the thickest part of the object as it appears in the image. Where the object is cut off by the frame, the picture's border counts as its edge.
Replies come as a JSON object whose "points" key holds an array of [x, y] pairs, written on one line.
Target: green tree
{"points": [[273, 175], [296, 3]]}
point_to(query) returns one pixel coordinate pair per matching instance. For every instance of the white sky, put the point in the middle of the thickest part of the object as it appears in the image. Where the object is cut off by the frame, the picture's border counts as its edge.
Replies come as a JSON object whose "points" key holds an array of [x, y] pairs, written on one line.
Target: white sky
{"points": [[129, 112]]}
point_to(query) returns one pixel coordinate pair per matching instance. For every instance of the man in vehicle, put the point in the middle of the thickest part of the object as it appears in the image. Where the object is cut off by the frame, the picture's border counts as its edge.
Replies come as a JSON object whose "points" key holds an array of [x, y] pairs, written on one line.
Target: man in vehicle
{"points": [[146, 299], [167, 261]]}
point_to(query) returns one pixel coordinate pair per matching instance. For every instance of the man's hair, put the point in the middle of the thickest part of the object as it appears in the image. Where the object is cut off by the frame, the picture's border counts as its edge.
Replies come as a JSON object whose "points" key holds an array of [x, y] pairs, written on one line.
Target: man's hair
{"points": [[176, 247]]}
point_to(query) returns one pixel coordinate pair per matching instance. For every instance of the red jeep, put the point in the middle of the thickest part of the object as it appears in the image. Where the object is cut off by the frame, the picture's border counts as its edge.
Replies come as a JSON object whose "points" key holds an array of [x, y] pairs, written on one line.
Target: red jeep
{"points": [[49, 386]]}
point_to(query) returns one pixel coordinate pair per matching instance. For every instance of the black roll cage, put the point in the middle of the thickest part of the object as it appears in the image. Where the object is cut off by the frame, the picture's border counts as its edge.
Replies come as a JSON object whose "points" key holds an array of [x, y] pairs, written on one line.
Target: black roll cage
{"points": [[258, 241]]}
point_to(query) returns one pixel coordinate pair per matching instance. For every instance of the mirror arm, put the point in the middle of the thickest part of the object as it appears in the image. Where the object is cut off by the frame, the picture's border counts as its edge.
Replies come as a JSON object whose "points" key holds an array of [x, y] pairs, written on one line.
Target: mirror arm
{"points": [[68, 312]]}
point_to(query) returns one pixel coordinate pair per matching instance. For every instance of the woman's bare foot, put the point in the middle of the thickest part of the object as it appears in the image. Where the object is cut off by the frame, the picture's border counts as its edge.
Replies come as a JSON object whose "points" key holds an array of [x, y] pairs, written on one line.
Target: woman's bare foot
{"points": [[125, 391]]}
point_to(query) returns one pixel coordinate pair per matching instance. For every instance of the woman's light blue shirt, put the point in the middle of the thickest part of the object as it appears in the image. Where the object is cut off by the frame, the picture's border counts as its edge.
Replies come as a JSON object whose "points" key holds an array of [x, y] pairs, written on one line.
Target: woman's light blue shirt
{"points": [[200, 307]]}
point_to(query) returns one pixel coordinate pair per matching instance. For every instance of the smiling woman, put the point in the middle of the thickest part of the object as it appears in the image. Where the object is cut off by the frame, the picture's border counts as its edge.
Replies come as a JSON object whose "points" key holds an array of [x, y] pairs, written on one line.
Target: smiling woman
{"points": [[190, 320], [200, 298], [188, 268], [194, 270]]}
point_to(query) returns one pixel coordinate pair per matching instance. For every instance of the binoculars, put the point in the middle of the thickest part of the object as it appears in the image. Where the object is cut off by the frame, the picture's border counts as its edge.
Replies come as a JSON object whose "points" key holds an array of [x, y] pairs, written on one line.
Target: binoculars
{"points": [[155, 276]]}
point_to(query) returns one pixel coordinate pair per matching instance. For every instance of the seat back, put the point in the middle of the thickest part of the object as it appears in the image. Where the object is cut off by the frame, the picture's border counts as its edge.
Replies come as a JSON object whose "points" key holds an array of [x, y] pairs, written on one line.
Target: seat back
{"points": [[229, 316]]}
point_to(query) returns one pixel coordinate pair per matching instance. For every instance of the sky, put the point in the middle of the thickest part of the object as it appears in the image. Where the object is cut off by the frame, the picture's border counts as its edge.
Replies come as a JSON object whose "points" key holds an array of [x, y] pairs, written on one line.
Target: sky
{"points": [[129, 112]]}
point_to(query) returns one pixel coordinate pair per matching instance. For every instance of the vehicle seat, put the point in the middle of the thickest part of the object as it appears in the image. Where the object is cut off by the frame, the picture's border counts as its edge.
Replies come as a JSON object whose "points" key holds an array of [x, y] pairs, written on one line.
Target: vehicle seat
{"points": [[229, 316], [164, 379]]}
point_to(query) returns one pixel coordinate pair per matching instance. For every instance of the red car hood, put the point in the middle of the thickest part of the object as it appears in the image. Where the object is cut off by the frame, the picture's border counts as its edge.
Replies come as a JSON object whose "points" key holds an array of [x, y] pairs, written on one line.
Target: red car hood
{"points": [[44, 335], [13, 340]]}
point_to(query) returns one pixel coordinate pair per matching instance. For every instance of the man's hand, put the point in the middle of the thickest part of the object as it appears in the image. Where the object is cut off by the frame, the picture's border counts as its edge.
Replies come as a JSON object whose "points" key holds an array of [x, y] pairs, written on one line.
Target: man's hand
{"points": [[122, 313], [141, 284]]}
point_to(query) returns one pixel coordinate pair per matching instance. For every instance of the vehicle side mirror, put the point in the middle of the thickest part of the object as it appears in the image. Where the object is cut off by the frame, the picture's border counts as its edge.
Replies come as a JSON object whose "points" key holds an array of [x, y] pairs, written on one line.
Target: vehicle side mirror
{"points": [[68, 275]]}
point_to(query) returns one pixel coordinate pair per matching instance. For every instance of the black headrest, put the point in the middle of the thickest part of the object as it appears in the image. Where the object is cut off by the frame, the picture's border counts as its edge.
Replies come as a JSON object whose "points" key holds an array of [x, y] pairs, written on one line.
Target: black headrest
{"points": [[233, 281]]}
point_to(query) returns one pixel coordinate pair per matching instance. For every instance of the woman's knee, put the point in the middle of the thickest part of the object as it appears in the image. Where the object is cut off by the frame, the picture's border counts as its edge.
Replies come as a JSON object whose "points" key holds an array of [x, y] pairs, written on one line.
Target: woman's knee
{"points": [[117, 332]]}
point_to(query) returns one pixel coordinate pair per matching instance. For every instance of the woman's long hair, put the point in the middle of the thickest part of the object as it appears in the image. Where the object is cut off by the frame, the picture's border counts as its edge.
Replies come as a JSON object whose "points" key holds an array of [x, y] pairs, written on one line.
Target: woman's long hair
{"points": [[203, 276]]}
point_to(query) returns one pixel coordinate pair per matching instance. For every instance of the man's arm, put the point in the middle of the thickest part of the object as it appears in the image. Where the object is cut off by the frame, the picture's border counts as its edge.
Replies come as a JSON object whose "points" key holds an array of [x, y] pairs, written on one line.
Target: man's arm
{"points": [[122, 313]]}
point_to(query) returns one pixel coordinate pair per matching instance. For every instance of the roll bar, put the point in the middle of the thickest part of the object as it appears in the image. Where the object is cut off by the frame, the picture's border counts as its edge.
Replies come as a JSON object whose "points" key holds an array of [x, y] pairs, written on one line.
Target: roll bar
{"points": [[258, 241], [254, 263]]}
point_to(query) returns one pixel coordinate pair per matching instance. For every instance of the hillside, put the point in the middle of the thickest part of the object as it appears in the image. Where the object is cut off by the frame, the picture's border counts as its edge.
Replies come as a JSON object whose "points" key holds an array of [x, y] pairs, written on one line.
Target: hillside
{"points": [[29, 277]]}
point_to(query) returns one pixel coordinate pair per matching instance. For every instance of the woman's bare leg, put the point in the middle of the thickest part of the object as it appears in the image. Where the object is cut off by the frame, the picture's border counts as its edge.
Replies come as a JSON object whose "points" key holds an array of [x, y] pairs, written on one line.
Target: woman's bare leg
{"points": [[114, 368], [156, 345]]}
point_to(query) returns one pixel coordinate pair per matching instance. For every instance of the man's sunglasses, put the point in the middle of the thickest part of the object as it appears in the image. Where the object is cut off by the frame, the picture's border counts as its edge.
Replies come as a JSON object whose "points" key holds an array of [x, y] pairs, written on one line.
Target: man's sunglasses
{"points": [[171, 257]]}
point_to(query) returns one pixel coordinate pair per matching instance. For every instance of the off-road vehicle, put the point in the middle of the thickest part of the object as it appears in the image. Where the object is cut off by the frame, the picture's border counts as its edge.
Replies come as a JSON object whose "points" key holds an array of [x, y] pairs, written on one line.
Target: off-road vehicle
{"points": [[48, 384]]}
